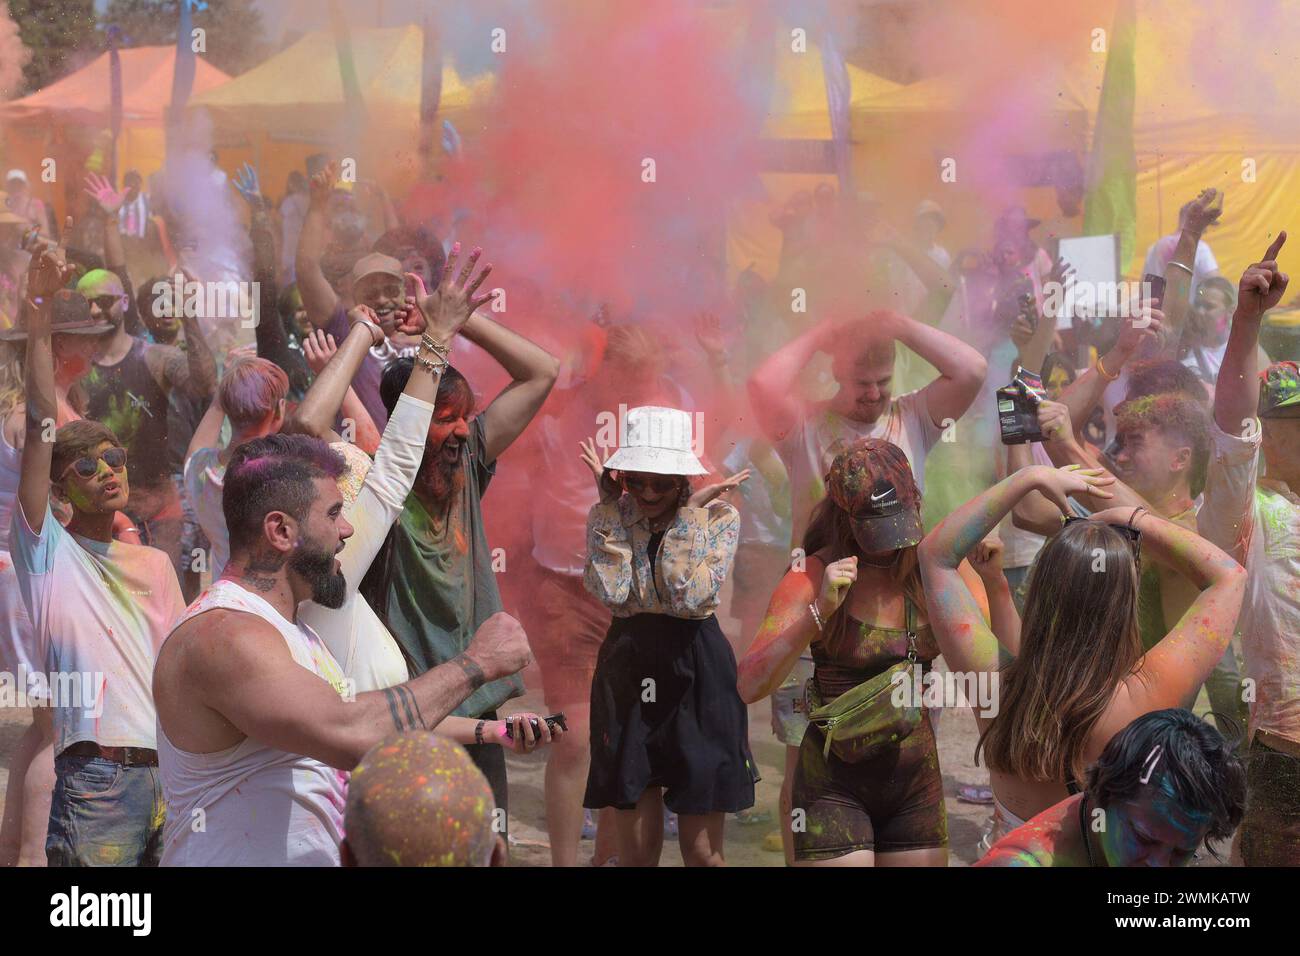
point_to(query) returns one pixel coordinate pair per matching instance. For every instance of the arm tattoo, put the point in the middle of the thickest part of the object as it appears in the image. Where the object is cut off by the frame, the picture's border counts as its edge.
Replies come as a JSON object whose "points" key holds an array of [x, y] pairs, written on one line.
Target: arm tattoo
{"points": [[400, 703], [475, 673]]}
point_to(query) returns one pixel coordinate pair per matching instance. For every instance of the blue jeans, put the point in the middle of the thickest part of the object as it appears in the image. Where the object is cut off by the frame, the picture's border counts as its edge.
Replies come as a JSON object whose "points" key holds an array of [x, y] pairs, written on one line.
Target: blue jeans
{"points": [[104, 814]]}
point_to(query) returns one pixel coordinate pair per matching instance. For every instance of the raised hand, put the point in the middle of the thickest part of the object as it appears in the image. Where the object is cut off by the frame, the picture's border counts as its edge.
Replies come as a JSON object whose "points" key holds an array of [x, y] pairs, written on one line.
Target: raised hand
{"points": [[606, 486], [836, 581], [318, 348], [709, 492], [248, 185], [1147, 327], [102, 191], [48, 271], [1058, 484], [447, 308], [1062, 273], [1204, 211], [1262, 284], [322, 186]]}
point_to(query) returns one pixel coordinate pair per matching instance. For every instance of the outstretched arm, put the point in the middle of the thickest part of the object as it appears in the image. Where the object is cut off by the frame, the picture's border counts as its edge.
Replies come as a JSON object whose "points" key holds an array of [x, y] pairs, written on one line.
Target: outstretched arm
{"points": [[1236, 394], [318, 296], [1201, 214], [254, 683], [46, 275]]}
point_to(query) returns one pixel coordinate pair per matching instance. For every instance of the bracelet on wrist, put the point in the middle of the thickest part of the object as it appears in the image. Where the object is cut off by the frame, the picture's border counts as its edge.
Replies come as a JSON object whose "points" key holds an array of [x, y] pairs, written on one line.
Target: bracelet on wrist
{"points": [[1101, 370], [1179, 265], [429, 365], [817, 616], [478, 731]]}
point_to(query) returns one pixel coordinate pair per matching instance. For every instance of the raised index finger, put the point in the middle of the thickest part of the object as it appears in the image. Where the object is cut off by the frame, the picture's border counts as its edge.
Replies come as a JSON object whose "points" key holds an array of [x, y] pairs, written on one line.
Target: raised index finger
{"points": [[1275, 248]]}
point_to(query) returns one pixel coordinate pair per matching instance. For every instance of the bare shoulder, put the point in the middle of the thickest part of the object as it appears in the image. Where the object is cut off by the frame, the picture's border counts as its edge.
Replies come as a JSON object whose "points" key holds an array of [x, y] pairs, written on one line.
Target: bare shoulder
{"points": [[218, 641]]}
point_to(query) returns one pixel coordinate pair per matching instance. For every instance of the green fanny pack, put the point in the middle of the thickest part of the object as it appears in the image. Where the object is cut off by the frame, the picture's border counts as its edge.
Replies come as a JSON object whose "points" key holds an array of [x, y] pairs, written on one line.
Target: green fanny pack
{"points": [[863, 722]]}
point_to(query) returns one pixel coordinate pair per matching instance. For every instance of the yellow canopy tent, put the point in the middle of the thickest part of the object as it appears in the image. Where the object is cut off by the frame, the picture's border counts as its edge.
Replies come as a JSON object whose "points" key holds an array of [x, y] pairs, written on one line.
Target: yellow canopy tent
{"points": [[292, 105], [797, 111], [68, 121], [1203, 117]]}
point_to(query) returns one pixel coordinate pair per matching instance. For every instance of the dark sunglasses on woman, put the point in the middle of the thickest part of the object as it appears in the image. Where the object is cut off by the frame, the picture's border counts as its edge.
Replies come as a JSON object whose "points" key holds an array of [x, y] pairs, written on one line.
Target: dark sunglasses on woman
{"points": [[659, 486], [86, 467]]}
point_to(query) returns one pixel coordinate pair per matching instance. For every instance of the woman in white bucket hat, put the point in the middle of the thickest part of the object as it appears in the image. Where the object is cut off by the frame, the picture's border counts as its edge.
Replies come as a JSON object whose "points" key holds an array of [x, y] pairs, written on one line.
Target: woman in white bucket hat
{"points": [[667, 725]]}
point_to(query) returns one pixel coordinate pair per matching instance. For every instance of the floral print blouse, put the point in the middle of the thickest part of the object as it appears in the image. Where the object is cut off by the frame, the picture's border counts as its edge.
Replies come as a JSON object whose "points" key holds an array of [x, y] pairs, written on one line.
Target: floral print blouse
{"points": [[693, 561]]}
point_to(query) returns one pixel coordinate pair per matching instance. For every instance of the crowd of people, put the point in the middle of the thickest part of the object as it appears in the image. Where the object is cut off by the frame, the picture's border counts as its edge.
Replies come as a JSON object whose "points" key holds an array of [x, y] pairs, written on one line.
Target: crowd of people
{"points": [[254, 595]]}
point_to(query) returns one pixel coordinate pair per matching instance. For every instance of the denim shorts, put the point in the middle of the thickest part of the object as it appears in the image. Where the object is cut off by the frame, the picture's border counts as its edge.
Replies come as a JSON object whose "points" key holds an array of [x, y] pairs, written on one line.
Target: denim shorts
{"points": [[789, 706], [104, 814]]}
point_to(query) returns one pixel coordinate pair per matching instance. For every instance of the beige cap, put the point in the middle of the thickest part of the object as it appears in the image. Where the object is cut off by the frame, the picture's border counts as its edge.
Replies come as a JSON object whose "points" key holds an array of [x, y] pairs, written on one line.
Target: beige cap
{"points": [[376, 263]]}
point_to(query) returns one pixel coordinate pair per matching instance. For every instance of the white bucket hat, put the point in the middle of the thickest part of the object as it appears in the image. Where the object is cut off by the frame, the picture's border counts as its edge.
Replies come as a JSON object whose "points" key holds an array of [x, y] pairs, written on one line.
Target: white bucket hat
{"points": [[657, 440]]}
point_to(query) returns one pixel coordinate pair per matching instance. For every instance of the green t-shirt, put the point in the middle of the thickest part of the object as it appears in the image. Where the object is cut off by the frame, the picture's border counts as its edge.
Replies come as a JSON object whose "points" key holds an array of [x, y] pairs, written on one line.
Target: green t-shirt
{"points": [[443, 586]]}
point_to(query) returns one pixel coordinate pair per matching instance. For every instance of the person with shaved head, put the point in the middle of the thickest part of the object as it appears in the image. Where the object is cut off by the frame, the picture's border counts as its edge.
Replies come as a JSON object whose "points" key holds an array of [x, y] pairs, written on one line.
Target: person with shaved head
{"points": [[417, 799]]}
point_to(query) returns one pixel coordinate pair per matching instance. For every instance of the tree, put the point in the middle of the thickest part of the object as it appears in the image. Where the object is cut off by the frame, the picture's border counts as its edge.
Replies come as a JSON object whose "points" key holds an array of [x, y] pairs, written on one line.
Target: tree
{"points": [[233, 31], [60, 34]]}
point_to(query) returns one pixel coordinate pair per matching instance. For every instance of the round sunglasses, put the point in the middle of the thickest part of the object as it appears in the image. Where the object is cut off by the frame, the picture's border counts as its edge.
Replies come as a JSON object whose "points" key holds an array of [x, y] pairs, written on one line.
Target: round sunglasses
{"points": [[88, 466]]}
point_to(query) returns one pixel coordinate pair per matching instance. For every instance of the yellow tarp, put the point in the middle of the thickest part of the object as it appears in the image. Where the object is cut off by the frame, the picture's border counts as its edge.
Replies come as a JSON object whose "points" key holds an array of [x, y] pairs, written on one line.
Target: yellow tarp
{"points": [[1205, 115], [290, 106]]}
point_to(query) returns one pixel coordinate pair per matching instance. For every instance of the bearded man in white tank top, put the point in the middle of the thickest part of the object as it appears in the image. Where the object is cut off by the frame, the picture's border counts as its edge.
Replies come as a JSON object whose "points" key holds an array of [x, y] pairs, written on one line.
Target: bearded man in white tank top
{"points": [[255, 719]]}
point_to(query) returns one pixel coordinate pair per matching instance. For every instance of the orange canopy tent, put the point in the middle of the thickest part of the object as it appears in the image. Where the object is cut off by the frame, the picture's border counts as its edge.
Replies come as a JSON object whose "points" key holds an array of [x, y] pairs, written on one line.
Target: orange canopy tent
{"points": [[68, 121]]}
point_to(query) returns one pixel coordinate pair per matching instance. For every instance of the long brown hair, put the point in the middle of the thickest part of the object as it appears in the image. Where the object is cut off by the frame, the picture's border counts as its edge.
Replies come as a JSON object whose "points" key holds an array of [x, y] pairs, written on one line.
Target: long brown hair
{"points": [[1078, 642], [829, 530]]}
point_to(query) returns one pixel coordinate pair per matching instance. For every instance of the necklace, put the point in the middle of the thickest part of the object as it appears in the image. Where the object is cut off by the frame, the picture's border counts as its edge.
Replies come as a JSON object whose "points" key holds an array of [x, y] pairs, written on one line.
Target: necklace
{"points": [[889, 563]]}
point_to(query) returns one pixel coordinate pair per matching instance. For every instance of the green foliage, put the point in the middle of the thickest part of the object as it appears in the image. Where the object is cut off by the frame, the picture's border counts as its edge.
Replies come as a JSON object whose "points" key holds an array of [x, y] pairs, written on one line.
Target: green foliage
{"points": [[233, 29], [60, 34]]}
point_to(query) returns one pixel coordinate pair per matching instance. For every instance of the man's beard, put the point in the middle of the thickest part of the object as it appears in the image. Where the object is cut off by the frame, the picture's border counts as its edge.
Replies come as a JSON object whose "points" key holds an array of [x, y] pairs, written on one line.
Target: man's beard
{"points": [[440, 479], [316, 566]]}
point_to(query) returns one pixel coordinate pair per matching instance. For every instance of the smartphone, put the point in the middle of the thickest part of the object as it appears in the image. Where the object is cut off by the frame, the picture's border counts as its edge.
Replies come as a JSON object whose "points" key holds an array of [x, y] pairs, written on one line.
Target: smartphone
{"points": [[1157, 286], [553, 721]]}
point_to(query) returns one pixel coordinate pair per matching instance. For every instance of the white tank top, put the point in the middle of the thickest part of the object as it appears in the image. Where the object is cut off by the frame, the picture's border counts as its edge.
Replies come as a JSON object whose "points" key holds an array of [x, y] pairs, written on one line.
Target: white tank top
{"points": [[252, 805]]}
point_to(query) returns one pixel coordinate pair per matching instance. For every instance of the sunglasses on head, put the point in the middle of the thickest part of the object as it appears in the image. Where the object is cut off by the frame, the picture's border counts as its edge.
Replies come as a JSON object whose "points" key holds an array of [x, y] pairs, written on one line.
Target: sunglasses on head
{"points": [[659, 486], [1131, 534], [88, 466]]}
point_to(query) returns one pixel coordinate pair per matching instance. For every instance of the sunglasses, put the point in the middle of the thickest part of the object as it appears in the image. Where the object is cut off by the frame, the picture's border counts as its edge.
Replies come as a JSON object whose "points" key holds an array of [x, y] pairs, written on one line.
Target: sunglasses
{"points": [[106, 302], [1133, 535], [88, 466], [659, 486]]}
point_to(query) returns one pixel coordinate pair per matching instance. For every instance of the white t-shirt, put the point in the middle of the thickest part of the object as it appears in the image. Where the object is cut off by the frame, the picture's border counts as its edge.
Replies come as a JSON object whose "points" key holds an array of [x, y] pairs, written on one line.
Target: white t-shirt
{"points": [[99, 611], [259, 806], [204, 480], [1258, 521], [810, 447], [355, 635]]}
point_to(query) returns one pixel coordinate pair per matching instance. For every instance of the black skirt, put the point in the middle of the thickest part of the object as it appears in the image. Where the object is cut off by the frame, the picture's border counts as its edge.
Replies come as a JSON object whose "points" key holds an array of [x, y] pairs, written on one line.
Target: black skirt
{"points": [[665, 713]]}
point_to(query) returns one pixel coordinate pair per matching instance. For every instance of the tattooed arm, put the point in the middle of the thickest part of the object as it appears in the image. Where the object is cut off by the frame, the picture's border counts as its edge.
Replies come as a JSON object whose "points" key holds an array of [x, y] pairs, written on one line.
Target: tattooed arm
{"points": [[253, 684]]}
